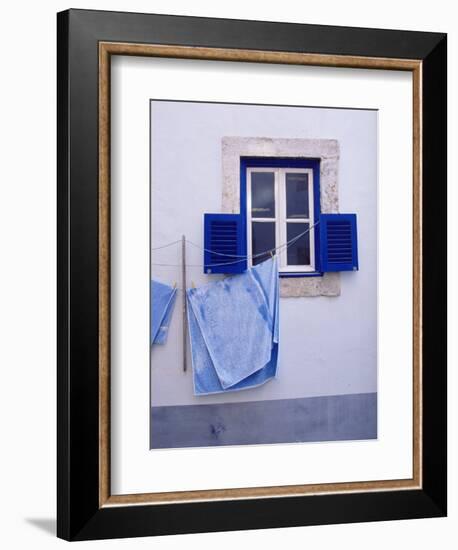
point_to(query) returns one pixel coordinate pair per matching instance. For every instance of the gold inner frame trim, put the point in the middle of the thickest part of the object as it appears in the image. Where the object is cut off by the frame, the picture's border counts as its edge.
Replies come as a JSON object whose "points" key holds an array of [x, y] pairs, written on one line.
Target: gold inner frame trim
{"points": [[106, 50]]}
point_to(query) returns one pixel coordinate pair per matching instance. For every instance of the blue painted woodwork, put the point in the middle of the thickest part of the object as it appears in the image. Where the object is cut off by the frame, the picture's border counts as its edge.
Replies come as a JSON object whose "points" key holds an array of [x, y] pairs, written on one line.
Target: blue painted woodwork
{"points": [[336, 246], [339, 245], [284, 162], [224, 243]]}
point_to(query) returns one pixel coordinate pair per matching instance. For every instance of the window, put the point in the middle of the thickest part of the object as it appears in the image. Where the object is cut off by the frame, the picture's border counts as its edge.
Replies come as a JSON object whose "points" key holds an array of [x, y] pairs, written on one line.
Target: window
{"points": [[282, 206], [330, 244], [268, 201]]}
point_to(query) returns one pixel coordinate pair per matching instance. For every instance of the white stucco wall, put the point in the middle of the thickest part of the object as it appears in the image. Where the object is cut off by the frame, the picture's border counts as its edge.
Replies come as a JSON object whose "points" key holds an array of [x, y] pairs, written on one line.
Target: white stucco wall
{"points": [[328, 344]]}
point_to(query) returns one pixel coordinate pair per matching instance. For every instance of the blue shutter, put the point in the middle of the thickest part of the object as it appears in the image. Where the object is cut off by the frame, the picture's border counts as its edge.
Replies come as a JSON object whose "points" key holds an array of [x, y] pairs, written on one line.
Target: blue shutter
{"points": [[339, 245], [223, 243]]}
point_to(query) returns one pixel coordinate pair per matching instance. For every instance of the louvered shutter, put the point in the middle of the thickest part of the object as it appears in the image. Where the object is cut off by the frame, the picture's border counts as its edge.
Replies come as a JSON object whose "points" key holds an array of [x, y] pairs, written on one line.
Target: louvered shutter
{"points": [[224, 236], [338, 242]]}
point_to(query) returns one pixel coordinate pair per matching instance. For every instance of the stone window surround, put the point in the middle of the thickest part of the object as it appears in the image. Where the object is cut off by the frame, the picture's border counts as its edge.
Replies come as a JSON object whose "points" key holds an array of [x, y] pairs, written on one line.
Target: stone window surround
{"points": [[327, 150]]}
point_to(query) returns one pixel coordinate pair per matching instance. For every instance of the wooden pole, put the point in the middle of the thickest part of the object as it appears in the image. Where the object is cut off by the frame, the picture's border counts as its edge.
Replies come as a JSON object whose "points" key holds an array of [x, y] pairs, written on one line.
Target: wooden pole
{"points": [[183, 292]]}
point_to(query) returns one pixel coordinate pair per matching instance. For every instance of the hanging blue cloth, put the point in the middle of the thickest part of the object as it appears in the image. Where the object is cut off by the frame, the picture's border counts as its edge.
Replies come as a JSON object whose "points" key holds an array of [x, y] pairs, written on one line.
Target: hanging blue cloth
{"points": [[234, 330], [162, 302]]}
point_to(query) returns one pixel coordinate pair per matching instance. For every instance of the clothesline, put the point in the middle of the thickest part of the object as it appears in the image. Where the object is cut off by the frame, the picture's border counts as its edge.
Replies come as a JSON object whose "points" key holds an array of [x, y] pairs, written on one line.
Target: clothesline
{"points": [[241, 258]]}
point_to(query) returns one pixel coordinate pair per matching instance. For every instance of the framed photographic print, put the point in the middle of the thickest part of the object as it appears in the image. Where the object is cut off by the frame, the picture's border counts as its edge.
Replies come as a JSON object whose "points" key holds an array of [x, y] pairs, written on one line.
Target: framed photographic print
{"points": [[252, 274]]}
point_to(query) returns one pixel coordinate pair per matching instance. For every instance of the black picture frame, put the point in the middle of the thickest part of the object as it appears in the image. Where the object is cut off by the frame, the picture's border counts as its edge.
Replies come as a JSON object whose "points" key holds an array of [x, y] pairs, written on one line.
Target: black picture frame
{"points": [[80, 516]]}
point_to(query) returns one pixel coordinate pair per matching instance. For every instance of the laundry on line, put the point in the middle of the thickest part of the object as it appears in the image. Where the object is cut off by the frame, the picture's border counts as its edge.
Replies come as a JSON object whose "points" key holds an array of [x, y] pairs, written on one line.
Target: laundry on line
{"points": [[162, 302], [234, 330]]}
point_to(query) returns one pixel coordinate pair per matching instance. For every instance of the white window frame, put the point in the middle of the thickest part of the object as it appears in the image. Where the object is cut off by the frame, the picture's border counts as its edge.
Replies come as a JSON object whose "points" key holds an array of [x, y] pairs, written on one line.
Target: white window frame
{"points": [[280, 218]]}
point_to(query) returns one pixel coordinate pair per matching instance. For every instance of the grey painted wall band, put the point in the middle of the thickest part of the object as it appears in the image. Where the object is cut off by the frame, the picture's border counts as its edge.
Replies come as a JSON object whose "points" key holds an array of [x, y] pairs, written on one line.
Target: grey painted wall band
{"points": [[327, 418]]}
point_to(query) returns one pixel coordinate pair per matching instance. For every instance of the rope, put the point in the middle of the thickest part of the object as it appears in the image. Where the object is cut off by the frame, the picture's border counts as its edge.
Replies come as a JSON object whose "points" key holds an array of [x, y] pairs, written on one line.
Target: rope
{"points": [[166, 245], [242, 258]]}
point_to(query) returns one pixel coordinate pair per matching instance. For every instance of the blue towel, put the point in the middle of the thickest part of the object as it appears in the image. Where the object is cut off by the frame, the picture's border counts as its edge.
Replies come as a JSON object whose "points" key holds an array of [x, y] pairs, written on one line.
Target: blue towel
{"points": [[234, 330], [162, 302]]}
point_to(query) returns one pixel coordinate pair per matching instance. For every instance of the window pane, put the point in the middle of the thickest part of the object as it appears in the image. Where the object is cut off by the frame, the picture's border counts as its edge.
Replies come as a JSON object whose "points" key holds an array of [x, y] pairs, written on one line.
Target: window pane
{"points": [[297, 195], [298, 253], [262, 239], [262, 194]]}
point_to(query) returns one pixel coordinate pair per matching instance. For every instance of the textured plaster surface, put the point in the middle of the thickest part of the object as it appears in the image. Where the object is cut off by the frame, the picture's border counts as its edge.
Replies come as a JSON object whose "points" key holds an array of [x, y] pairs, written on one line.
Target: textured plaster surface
{"points": [[327, 150]]}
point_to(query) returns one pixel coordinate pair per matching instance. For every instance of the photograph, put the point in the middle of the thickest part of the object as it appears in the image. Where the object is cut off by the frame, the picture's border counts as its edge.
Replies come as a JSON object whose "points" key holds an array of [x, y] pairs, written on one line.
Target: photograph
{"points": [[263, 274]]}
